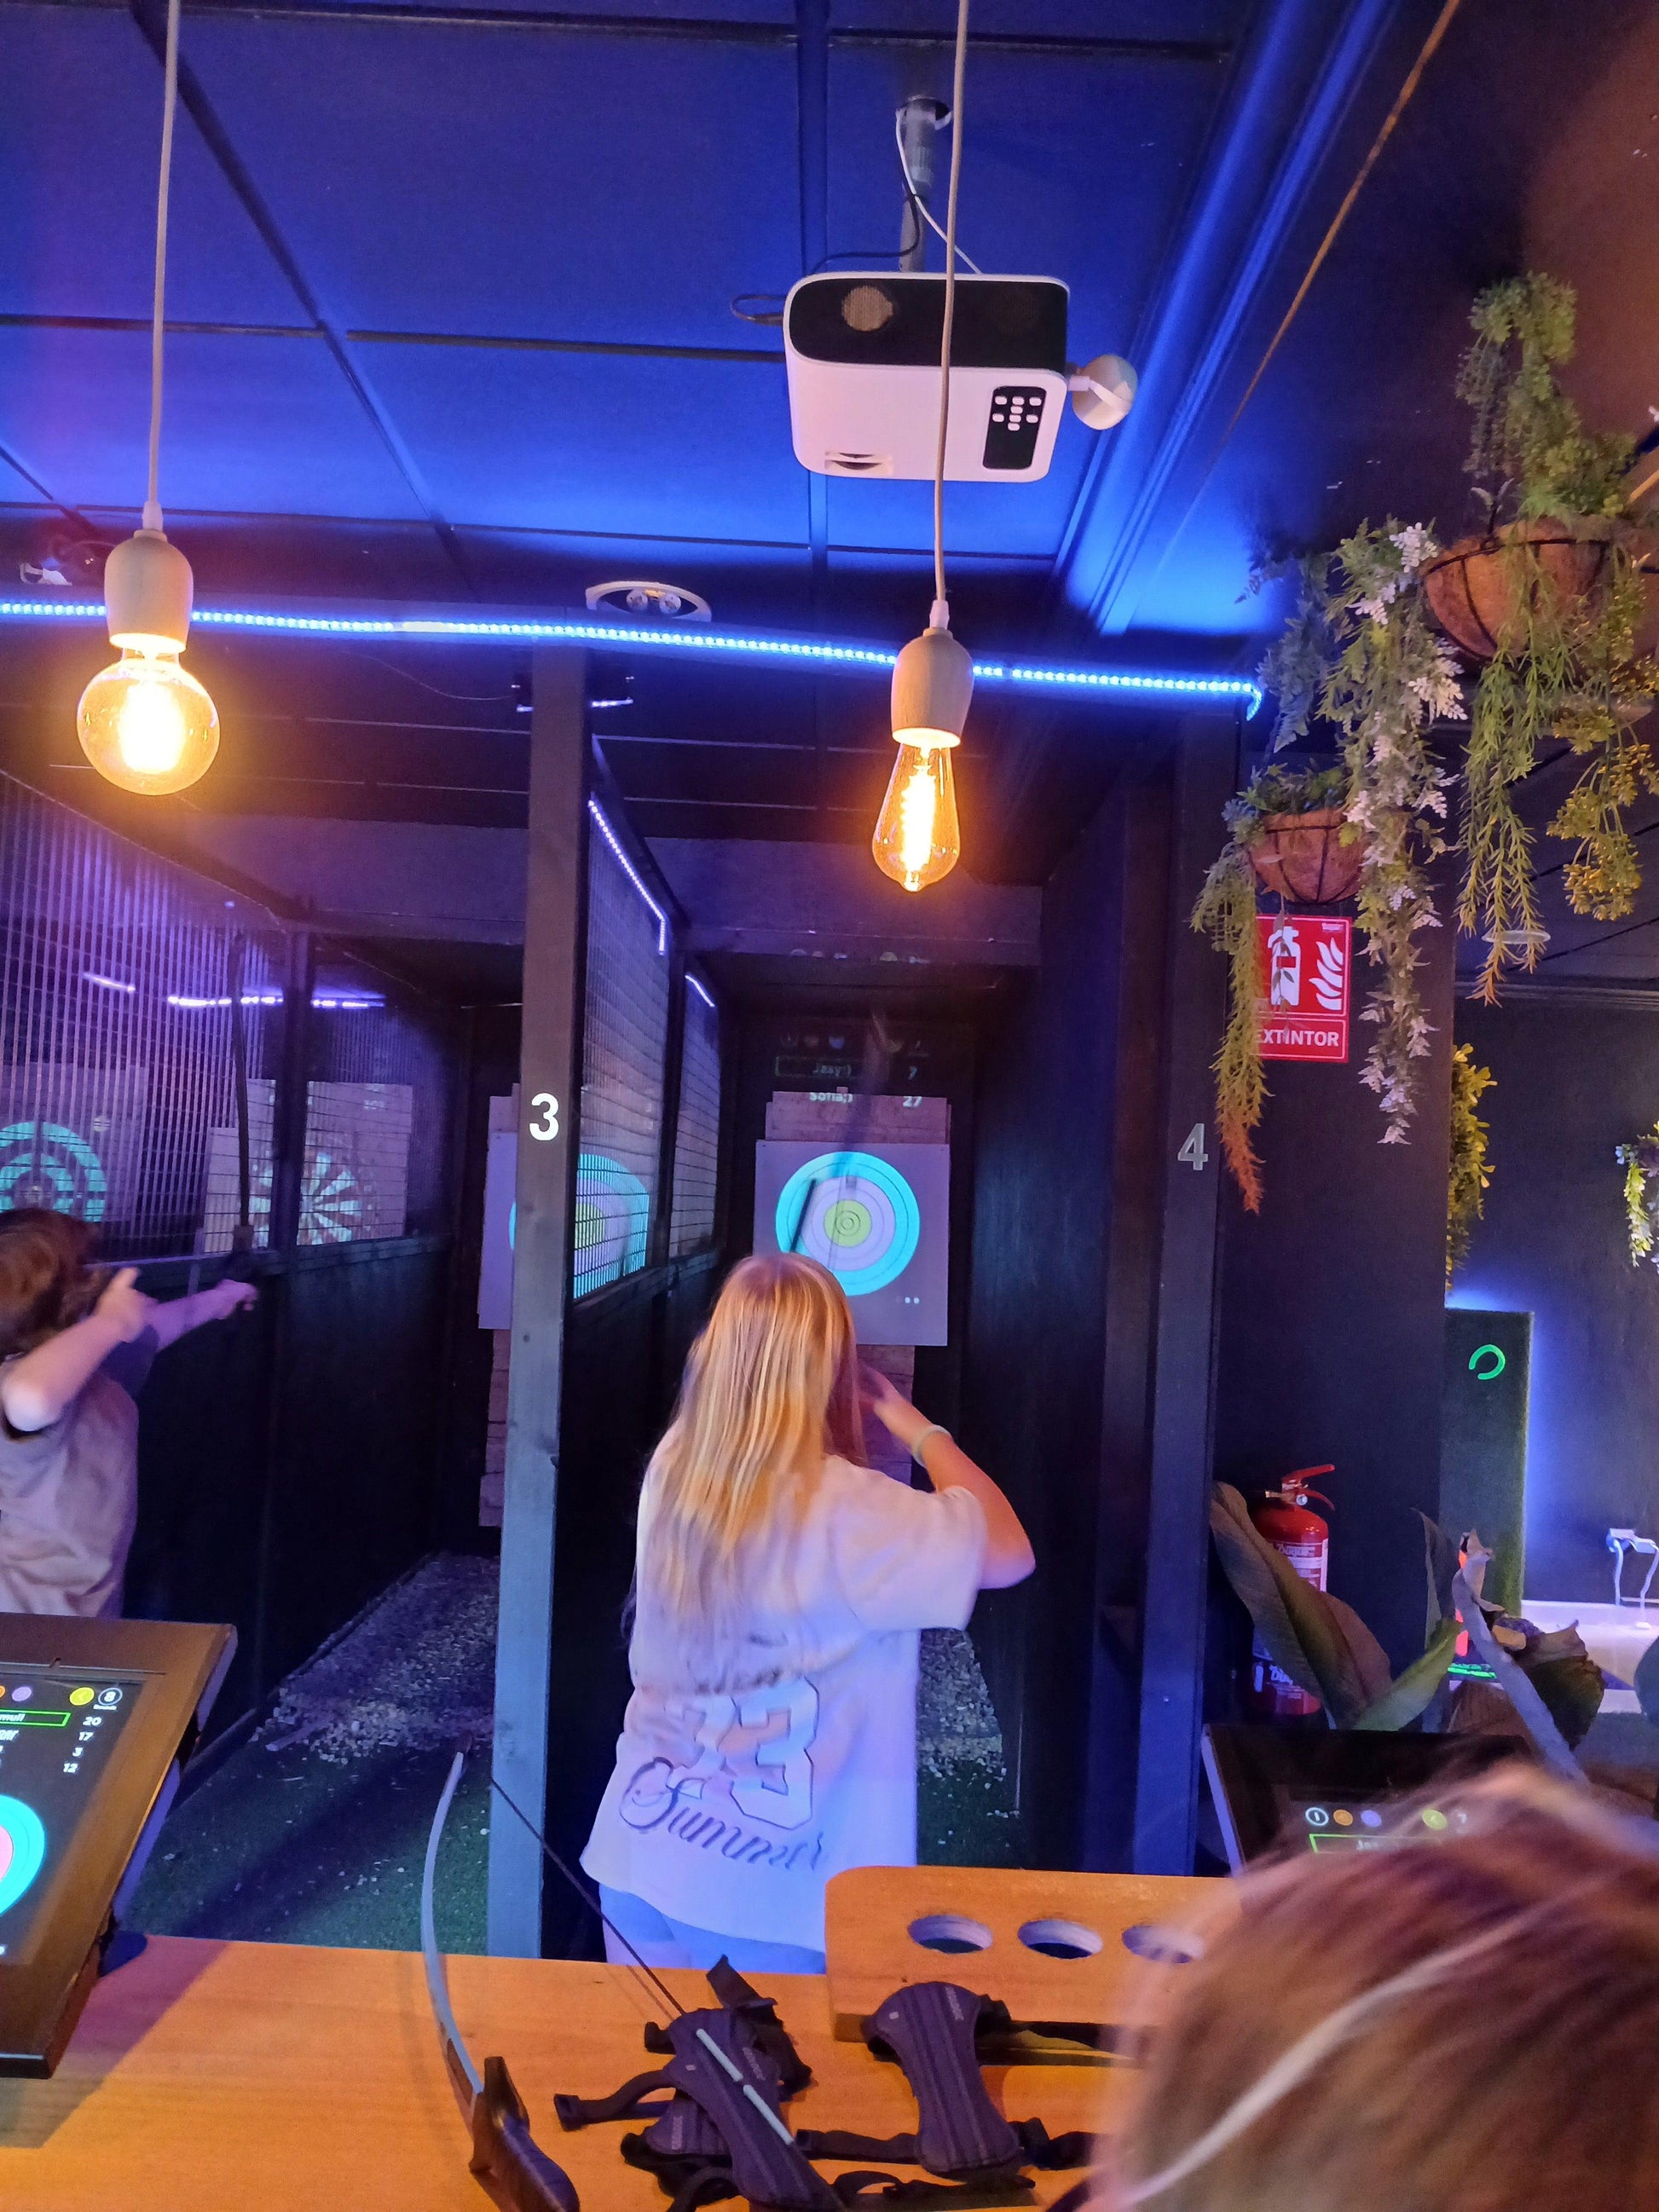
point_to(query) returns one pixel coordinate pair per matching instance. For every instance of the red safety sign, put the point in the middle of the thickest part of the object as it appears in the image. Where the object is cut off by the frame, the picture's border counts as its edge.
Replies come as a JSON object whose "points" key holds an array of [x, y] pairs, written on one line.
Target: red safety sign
{"points": [[1306, 960]]}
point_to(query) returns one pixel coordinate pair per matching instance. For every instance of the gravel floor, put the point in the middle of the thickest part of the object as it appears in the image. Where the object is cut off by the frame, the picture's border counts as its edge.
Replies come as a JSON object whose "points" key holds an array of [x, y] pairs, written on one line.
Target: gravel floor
{"points": [[314, 1831]]}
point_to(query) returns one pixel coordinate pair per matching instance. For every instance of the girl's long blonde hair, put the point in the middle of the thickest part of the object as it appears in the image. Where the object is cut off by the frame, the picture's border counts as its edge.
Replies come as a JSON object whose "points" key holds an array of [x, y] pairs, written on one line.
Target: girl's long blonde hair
{"points": [[770, 1388]]}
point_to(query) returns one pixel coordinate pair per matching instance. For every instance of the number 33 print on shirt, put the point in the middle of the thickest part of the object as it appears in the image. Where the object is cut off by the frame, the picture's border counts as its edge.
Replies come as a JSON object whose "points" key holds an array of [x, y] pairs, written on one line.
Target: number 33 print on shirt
{"points": [[759, 1743]]}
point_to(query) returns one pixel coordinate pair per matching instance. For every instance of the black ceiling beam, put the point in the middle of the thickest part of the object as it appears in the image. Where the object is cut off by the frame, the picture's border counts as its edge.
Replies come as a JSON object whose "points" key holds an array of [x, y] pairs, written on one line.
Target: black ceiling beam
{"points": [[1191, 53]]}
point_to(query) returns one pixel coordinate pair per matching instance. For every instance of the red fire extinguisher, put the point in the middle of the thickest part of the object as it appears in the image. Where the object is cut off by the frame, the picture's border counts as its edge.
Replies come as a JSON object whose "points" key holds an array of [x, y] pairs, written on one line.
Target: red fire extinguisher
{"points": [[1282, 1516]]}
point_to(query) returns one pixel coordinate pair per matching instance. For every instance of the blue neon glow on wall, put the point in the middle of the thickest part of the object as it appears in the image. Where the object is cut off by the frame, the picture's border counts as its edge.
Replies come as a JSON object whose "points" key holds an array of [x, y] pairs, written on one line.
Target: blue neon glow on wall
{"points": [[732, 644]]}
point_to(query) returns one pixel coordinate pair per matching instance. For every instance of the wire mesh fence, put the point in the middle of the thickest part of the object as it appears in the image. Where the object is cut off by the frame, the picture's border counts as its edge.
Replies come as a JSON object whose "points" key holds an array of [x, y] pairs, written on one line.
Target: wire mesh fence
{"points": [[116, 1055], [624, 1049], [697, 1127], [141, 1016]]}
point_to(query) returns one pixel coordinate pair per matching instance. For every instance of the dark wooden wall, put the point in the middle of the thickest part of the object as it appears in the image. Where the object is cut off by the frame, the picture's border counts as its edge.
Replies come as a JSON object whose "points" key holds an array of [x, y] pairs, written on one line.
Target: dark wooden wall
{"points": [[1057, 1365], [288, 1458], [1577, 1073], [1332, 1313]]}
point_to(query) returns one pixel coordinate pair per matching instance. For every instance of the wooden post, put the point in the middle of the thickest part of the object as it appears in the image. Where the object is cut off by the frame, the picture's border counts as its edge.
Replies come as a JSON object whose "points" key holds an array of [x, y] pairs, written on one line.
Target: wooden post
{"points": [[548, 1092], [1177, 1551]]}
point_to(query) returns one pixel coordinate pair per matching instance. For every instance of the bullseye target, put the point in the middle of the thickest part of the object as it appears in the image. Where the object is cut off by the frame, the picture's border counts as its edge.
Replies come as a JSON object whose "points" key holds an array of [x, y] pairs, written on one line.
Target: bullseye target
{"points": [[613, 1221], [22, 1849], [854, 1212], [44, 1163]]}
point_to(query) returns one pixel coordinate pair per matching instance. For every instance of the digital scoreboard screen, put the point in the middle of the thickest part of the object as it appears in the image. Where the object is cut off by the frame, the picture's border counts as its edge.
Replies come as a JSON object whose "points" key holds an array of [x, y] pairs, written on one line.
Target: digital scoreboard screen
{"points": [[1332, 1824], [1331, 1791], [57, 1733]]}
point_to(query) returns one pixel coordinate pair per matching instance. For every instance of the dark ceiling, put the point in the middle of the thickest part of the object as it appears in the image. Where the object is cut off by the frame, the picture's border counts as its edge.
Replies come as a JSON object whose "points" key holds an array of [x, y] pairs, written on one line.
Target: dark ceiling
{"points": [[451, 323]]}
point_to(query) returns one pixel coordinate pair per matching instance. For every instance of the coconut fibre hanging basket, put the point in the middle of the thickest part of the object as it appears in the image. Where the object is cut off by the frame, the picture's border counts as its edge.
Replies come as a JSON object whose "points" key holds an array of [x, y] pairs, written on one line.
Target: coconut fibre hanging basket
{"points": [[1475, 587], [1304, 857]]}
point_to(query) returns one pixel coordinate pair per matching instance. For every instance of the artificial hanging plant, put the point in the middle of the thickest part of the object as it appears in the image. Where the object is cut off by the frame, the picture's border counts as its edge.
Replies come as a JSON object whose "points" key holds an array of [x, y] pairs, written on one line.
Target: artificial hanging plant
{"points": [[1548, 600], [1640, 1162], [1471, 1171], [1227, 909]]}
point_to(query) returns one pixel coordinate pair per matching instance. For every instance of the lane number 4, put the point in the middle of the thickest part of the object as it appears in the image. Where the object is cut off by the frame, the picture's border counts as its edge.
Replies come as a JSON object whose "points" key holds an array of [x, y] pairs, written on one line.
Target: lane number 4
{"points": [[1192, 1153], [544, 1106]]}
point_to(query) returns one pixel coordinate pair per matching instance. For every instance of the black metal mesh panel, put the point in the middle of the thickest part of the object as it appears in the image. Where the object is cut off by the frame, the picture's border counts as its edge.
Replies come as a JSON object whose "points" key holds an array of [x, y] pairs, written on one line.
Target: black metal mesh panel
{"points": [[377, 1111], [117, 1079], [697, 1129], [624, 1041]]}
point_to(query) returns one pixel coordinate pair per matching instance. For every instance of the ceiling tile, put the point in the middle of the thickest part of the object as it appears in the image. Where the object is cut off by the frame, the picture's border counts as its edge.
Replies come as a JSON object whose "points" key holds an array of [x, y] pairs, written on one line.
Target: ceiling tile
{"points": [[252, 425], [518, 183], [626, 445], [80, 137]]}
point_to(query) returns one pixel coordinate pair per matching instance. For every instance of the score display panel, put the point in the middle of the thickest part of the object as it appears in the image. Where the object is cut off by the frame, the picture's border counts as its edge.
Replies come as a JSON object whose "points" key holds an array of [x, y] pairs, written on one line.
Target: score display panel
{"points": [[94, 1716], [1336, 1790]]}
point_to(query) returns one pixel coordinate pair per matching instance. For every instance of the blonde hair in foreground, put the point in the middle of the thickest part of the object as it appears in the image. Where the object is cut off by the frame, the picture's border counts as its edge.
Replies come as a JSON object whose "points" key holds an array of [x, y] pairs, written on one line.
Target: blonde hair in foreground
{"points": [[770, 1386], [1467, 2026]]}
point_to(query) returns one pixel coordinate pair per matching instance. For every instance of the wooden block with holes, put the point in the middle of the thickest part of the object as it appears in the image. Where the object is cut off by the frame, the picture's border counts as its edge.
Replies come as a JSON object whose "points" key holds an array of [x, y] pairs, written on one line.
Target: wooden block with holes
{"points": [[1072, 1952]]}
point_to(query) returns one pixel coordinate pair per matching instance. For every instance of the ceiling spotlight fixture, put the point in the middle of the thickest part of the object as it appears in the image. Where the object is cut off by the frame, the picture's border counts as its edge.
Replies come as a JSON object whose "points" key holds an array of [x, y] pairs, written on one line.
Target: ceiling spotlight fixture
{"points": [[147, 723], [637, 595], [918, 837]]}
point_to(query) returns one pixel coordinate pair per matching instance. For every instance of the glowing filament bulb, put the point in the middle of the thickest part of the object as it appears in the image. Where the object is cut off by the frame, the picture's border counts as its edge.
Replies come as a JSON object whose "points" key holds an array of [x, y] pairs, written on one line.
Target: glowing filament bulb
{"points": [[917, 838], [147, 723]]}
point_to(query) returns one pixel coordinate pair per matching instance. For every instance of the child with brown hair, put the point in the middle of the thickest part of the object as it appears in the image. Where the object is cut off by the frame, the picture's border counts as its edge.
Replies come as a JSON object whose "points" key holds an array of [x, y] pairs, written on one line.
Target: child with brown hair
{"points": [[1470, 2025], [69, 1431]]}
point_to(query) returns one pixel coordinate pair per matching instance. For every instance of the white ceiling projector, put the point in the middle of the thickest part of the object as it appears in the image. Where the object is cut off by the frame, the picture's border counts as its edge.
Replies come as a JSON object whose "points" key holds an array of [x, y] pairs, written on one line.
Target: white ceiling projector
{"points": [[863, 356]]}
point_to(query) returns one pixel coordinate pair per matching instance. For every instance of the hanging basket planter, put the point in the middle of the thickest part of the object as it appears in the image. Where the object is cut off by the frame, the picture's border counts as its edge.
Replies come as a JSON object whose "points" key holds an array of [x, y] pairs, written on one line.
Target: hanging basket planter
{"points": [[1304, 859], [1474, 588]]}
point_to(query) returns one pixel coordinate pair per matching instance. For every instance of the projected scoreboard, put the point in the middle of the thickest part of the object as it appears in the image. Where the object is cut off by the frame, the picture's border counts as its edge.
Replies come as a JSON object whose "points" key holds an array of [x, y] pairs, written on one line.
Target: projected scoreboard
{"points": [[877, 1217]]}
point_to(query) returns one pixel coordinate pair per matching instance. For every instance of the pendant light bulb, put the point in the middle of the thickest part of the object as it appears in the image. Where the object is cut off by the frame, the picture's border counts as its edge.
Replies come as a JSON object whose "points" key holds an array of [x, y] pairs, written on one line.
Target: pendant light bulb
{"points": [[918, 837], [146, 724]]}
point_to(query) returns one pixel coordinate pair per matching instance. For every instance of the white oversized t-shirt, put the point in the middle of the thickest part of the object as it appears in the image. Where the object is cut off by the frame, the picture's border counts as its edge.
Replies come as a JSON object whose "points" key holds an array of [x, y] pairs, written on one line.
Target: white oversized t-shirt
{"points": [[731, 1809]]}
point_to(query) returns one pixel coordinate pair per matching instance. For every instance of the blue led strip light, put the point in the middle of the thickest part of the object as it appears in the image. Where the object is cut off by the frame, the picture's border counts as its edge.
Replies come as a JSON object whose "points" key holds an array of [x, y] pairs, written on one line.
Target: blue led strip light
{"points": [[631, 873], [730, 644], [702, 994]]}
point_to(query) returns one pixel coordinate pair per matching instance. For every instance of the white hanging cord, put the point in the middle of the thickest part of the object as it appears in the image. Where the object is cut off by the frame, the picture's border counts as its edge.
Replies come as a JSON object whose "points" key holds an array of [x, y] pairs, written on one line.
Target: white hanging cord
{"points": [[918, 204], [940, 617], [169, 101]]}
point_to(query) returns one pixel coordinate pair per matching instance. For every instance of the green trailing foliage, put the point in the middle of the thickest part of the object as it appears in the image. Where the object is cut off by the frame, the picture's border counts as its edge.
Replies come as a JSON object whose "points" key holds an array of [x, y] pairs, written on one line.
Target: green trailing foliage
{"points": [[1471, 1171], [1566, 665], [1640, 1162], [1226, 912], [1361, 657]]}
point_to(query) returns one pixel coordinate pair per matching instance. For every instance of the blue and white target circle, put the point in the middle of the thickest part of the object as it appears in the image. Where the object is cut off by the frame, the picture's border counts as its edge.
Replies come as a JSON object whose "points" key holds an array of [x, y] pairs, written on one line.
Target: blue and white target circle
{"points": [[854, 1212], [44, 1163], [22, 1849], [613, 1220]]}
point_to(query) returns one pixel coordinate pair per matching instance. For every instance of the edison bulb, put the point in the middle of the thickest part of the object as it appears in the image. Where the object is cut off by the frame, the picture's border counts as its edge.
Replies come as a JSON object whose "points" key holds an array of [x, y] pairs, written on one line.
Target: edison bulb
{"points": [[147, 723], [918, 838]]}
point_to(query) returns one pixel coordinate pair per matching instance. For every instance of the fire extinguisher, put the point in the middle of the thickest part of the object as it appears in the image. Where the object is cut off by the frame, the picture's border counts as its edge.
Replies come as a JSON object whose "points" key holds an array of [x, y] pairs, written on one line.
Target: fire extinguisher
{"points": [[1282, 1516]]}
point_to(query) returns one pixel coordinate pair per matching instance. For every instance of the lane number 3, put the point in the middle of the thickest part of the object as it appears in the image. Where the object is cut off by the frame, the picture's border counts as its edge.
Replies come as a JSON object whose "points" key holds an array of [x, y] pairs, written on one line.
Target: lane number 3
{"points": [[545, 1105]]}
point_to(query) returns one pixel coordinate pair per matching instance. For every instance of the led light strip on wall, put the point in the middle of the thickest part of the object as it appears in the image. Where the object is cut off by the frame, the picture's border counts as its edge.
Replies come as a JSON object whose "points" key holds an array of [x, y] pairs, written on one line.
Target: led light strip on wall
{"points": [[730, 644], [630, 872]]}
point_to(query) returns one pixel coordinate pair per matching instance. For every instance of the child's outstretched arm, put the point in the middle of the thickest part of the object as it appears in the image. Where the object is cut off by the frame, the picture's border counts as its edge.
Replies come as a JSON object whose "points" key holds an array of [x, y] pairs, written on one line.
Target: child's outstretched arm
{"points": [[38, 1388], [167, 1322]]}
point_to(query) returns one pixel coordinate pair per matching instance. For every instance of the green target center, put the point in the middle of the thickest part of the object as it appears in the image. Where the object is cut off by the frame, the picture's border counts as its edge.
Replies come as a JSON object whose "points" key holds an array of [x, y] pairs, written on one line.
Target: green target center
{"points": [[848, 1222]]}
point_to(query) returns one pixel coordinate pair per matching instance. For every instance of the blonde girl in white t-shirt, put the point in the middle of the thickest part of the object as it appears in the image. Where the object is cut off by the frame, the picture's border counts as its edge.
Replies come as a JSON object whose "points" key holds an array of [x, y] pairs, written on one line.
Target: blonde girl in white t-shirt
{"points": [[780, 1585]]}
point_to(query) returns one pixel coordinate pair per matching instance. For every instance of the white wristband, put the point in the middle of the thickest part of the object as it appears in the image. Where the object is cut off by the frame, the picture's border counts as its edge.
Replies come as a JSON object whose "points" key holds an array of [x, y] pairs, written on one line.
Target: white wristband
{"points": [[933, 1429]]}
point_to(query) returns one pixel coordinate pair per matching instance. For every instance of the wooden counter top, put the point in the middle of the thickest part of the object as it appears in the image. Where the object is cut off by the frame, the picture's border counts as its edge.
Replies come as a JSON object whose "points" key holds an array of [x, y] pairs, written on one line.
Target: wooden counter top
{"points": [[232, 2075]]}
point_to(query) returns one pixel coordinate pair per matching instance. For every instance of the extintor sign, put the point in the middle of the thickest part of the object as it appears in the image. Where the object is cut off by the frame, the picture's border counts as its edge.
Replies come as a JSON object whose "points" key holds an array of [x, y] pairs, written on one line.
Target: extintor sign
{"points": [[1306, 959]]}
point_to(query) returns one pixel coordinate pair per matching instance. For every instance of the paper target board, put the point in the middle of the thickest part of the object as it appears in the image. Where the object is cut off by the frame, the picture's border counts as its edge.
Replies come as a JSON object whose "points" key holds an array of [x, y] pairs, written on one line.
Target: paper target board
{"points": [[877, 1215]]}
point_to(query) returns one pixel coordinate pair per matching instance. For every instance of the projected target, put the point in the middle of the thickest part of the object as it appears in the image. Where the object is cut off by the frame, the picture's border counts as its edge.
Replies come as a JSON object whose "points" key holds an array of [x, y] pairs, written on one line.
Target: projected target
{"points": [[22, 1850], [44, 1163], [613, 1221], [854, 1212]]}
